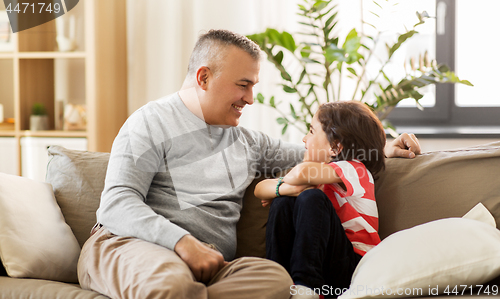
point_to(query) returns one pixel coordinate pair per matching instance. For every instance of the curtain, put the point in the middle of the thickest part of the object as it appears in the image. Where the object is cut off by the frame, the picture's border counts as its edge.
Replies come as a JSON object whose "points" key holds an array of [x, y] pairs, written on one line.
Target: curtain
{"points": [[162, 34]]}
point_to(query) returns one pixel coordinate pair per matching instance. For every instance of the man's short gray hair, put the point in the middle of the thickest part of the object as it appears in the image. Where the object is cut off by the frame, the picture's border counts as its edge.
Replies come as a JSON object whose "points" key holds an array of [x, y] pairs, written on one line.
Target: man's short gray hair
{"points": [[210, 49]]}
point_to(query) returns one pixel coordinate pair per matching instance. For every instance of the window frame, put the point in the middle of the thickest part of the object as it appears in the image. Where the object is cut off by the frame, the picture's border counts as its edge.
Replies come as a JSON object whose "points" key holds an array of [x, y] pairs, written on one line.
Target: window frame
{"points": [[446, 112]]}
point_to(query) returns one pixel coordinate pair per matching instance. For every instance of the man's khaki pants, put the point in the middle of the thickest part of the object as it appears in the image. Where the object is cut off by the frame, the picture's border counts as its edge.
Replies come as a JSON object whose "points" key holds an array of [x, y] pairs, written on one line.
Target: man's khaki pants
{"points": [[124, 267]]}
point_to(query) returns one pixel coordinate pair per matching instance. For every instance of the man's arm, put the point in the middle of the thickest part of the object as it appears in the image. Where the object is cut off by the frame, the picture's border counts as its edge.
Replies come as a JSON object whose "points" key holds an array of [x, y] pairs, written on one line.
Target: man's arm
{"points": [[136, 158], [405, 146]]}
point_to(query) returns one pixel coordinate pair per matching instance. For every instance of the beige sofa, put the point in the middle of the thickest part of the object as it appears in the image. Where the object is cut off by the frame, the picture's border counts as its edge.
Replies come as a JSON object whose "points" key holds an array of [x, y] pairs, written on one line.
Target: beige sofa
{"points": [[432, 186]]}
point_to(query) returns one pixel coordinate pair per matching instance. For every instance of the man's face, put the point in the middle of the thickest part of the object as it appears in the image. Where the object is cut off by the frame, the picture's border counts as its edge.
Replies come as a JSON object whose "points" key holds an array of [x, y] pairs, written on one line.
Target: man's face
{"points": [[231, 89]]}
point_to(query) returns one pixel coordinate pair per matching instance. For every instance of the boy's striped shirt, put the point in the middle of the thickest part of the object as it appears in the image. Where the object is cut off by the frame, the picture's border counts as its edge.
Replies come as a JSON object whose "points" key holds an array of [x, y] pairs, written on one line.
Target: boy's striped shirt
{"points": [[355, 206]]}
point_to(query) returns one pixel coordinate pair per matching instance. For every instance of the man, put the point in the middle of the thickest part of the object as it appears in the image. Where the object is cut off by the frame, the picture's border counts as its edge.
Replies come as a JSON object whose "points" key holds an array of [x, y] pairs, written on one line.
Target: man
{"points": [[176, 177]]}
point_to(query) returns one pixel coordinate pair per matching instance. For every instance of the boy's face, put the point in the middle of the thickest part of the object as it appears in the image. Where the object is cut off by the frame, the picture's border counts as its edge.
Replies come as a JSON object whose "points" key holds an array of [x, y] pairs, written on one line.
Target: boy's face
{"points": [[318, 149], [231, 89]]}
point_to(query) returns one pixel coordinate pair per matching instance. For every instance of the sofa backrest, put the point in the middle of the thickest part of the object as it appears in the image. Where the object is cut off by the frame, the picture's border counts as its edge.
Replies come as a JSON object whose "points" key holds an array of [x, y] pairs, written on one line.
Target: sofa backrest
{"points": [[409, 192], [438, 185]]}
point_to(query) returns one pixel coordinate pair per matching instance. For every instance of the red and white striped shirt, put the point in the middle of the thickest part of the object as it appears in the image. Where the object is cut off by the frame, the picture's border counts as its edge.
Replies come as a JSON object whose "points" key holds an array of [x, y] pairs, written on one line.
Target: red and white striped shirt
{"points": [[355, 206]]}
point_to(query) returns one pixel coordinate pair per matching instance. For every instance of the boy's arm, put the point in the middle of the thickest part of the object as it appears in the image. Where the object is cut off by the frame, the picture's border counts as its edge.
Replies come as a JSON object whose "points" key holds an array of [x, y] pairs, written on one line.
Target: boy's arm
{"points": [[266, 190], [312, 173]]}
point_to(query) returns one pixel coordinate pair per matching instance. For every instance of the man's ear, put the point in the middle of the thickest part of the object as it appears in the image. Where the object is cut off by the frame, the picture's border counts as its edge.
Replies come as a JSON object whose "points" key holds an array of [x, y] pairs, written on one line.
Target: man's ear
{"points": [[202, 77]]}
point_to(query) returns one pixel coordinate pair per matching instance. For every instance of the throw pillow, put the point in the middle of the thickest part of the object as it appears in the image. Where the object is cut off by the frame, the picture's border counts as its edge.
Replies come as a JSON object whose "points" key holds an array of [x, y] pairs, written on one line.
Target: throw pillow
{"points": [[35, 242], [77, 178], [429, 259]]}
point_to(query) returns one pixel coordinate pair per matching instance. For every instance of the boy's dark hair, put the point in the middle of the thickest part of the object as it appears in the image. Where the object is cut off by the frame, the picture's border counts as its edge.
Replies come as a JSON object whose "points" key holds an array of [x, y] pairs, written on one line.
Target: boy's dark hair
{"points": [[356, 127], [211, 49]]}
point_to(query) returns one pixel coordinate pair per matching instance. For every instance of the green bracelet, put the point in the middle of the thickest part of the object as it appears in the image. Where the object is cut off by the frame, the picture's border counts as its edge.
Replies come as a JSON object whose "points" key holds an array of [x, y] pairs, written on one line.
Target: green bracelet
{"points": [[280, 182]]}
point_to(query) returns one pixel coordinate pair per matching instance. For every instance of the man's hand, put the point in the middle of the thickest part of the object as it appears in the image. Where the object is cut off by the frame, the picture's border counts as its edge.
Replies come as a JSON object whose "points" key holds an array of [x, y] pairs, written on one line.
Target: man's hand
{"points": [[203, 261], [405, 146]]}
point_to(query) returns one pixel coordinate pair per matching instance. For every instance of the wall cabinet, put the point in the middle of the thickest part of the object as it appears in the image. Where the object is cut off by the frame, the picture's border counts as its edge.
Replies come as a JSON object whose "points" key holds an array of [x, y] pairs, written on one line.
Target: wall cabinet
{"points": [[82, 85]]}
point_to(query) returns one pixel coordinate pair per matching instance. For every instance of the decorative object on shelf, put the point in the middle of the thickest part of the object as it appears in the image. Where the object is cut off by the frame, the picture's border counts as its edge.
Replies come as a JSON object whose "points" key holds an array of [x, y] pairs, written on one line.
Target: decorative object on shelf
{"points": [[322, 62], [66, 44], [6, 44], [75, 117], [59, 115], [39, 120]]}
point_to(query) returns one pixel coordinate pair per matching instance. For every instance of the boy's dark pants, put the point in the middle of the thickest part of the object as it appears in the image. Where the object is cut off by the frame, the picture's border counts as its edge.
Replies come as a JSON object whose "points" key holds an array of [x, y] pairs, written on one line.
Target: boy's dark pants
{"points": [[305, 235]]}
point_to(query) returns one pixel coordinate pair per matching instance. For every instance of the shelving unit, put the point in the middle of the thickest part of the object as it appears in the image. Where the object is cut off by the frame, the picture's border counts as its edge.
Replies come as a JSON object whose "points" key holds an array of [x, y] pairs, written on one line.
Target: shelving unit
{"points": [[93, 75]]}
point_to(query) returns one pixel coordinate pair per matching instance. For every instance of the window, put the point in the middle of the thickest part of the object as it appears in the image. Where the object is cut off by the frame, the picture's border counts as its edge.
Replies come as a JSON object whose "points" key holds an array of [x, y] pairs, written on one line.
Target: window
{"points": [[467, 43]]}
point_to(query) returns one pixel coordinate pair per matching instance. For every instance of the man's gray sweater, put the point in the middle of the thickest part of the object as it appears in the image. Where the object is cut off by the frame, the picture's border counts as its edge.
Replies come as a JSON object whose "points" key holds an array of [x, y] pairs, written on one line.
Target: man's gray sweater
{"points": [[171, 174]]}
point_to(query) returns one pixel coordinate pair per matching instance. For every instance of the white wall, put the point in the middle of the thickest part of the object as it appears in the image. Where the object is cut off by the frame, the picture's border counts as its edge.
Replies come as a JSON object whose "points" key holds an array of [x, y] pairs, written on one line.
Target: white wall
{"points": [[162, 34]]}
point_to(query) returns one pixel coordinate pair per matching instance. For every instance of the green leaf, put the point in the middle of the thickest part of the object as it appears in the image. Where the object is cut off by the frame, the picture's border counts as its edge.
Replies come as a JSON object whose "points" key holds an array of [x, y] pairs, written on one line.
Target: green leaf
{"points": [[281, 120], [308, 24], [308, 60], [333, 53], [271, 102], [386, 77], [352, 71], [279, 57], [260, 98], [284, 129], [330, 20], [288, 89], [302, 75], [292, 110], [465, 82], [401, 39], [319, 5], [288, 42], [273, 35], [351, 46], [305, 51], [327, 12]]}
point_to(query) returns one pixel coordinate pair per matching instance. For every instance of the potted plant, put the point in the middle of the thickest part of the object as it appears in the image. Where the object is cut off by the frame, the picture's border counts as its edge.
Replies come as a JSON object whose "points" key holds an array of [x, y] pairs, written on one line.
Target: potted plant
{"points": [[39, 119], [324, 59]]}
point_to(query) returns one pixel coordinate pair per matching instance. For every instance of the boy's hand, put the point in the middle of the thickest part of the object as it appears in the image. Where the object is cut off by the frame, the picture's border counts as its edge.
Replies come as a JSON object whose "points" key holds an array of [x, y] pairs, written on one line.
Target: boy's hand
{"points": [[266, 202]]}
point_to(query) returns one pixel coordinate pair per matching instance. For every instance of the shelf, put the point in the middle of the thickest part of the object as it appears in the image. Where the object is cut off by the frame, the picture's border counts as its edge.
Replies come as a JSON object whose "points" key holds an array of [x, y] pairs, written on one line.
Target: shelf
{"points": [[48, 55], [53, 133], [42, 55], [7, 133], [6, 55], [83, 90]]}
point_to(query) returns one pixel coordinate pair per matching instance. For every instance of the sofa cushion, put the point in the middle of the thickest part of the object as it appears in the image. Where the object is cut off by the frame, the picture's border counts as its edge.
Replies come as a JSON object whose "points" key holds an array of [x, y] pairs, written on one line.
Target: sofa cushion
{"points": [[428, 258], [77, 178], [250, 239], [437, 185], [43, 289], [35, 242]]}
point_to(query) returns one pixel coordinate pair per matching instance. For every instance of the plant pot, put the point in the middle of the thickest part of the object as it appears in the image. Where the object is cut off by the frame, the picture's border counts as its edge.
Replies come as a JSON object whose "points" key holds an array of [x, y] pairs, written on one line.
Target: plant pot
{"points": [[39, 122]]}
